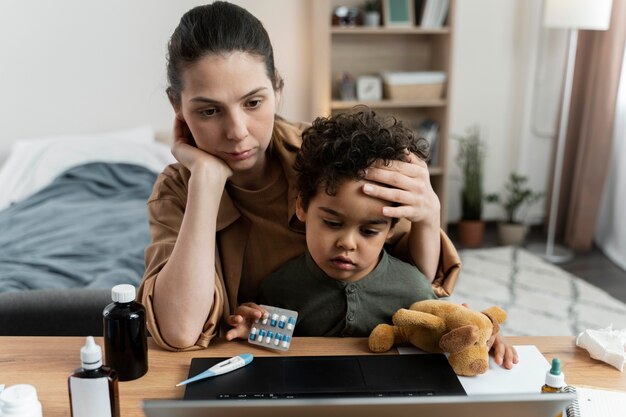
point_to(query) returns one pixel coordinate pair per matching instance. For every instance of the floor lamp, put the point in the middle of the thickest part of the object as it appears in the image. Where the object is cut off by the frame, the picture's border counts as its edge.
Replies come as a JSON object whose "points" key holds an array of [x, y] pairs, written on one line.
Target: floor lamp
{"points": [[571, 15]]}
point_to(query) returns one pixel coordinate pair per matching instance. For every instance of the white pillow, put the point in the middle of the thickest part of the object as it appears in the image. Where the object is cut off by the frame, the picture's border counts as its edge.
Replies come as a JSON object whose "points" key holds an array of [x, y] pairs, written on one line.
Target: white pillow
{"points": [[35, 163]]}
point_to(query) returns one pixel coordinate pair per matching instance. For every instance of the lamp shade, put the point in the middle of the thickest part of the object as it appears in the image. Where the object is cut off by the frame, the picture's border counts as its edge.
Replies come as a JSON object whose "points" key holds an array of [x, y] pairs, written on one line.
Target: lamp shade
{"points": [[577, 14]]}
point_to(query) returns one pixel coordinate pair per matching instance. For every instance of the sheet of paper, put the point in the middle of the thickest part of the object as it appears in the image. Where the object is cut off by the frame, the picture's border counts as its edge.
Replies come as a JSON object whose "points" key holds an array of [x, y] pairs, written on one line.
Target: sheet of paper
{"points": [[528, 376]]}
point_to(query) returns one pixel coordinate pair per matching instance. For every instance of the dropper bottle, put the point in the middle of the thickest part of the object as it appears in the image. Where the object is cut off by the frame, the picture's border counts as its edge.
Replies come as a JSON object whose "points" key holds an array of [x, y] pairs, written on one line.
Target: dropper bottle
{"points": [[93, 387], [555, 380]]}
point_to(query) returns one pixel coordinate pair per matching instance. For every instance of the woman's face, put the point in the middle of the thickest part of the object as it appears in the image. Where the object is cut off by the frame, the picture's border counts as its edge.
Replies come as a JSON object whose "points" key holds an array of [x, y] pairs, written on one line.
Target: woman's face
{"points": [[229, 103]]}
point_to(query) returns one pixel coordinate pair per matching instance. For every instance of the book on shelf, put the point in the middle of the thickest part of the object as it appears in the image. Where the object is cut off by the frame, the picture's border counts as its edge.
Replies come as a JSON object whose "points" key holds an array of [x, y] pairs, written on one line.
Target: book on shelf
{"points": [[429, 130], [442, 14], [418, 8], [432, 13]]}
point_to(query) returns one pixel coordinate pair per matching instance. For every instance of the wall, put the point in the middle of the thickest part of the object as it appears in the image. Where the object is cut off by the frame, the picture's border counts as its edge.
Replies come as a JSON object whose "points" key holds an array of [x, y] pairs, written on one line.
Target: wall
{"points": [[506, 80], [85, 67], [81, 66]]}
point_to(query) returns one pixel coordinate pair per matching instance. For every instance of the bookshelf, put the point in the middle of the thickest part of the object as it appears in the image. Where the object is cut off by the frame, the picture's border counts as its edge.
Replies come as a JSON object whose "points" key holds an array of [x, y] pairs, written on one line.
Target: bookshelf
{"points": [[359, 50]]}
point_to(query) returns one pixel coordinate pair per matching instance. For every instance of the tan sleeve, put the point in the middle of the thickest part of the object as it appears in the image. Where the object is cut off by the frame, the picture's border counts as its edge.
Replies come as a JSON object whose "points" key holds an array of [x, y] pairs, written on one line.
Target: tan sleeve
{"points": [[449, 268], [449, 261], [165, 214]]}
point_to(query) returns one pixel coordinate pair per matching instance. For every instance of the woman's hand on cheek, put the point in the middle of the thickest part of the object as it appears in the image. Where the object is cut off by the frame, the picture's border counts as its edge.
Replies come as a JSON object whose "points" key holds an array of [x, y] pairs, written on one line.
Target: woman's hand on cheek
{"points": [[183, 146], [410, 189], [187, 153]]}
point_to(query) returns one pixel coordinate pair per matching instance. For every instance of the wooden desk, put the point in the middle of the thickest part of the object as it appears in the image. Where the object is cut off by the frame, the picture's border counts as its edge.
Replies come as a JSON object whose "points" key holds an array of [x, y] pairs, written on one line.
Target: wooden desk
{"points": [[46, 362]]}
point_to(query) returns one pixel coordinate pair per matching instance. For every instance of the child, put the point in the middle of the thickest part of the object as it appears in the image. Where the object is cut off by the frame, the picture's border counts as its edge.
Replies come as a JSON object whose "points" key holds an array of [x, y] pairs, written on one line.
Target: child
{"points": [[346, 283]]}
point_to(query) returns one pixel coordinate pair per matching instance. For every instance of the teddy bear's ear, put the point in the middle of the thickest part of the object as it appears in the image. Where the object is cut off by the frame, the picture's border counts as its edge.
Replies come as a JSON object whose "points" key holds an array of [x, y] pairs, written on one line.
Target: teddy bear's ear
{"points": [[459, 339], [496, 313], [497, 316]]}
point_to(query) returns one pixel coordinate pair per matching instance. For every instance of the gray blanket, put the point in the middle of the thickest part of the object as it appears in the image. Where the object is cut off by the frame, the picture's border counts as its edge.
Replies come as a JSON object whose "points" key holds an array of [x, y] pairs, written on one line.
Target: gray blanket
{"points": [[88, 229]]}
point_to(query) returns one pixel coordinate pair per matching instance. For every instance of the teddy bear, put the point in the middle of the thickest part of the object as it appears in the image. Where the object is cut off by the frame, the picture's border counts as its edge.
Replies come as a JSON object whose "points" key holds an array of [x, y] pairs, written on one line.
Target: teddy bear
{"points": [[438, 326]]}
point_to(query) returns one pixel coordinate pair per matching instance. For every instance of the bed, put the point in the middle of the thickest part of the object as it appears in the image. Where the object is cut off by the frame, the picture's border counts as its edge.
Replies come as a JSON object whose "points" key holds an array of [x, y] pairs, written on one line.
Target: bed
{"points": [[73, 224]]}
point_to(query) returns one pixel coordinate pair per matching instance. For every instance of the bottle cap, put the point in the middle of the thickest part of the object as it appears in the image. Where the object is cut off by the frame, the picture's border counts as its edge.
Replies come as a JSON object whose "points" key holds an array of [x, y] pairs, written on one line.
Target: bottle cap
{"points": [[91, 354], [123, 293], [20, 400], [554, 377]]}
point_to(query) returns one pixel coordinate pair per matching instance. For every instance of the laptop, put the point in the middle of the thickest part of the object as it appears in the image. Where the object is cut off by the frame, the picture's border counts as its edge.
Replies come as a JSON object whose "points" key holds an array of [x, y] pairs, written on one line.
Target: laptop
{"points": [[368, 385], [509, 405]]}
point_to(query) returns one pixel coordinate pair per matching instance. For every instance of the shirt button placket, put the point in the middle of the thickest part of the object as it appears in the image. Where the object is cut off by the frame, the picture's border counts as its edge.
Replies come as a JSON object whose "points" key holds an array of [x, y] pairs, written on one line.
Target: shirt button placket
{"points": [[351, 298]]}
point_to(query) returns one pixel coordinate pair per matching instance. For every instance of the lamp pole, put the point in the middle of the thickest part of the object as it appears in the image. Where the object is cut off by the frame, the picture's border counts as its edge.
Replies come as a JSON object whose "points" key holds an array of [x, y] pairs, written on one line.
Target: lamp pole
{"points": [[572, 15], [550, 251]]}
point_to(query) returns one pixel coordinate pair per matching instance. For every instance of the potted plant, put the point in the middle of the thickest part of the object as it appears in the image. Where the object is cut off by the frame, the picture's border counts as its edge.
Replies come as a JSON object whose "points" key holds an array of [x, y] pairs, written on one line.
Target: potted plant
{"points": [[516, 195], [372, 13], [471, 158]]}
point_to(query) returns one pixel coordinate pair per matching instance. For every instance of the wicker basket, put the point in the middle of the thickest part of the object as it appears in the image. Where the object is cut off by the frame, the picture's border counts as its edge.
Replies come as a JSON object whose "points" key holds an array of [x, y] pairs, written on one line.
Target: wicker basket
{"points": [[413, 85]]}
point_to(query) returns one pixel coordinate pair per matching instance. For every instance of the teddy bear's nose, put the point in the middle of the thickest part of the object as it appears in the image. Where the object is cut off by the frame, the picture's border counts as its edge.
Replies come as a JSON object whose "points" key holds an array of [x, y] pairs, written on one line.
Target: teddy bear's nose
{"points": [[479, 366]]}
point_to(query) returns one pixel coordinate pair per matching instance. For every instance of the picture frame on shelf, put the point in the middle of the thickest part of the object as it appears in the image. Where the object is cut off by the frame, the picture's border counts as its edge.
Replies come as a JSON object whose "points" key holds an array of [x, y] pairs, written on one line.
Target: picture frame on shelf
{"points": [[369, 88], [398, 13]]}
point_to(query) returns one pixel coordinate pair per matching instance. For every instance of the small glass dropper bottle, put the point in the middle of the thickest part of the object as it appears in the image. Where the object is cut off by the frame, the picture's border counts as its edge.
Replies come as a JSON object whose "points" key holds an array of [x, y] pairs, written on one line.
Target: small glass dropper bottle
{"points": [[555, 380]]}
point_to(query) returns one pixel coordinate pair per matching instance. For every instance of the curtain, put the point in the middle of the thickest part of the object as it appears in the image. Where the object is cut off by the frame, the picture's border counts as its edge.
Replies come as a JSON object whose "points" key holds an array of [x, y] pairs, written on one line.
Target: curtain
{"points": [[590, 129], [611, 227]]}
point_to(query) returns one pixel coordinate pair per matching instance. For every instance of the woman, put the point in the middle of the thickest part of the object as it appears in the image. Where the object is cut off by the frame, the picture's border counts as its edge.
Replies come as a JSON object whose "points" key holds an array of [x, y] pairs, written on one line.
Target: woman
{"points": [[223, 218]]}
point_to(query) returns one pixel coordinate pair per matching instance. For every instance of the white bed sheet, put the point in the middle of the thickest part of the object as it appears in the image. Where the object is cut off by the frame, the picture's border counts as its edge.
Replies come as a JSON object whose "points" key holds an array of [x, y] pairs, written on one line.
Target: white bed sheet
{"points": [[34, 163]]}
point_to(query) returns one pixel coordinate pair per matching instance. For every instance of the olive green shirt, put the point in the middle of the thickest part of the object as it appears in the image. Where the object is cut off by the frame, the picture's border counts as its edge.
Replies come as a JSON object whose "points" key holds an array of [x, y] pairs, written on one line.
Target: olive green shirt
{"points": [[329, 307]]}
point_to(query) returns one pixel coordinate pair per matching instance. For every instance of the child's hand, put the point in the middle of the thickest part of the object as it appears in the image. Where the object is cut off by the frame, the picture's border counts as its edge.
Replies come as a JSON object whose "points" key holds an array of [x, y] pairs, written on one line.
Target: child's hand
{"points": [[245, 315], [504, 354]]}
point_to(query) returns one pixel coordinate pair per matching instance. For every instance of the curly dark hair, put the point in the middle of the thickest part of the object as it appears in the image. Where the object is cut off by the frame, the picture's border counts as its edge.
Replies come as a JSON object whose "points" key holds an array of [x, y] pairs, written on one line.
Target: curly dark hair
{"points": [[343, 146]]}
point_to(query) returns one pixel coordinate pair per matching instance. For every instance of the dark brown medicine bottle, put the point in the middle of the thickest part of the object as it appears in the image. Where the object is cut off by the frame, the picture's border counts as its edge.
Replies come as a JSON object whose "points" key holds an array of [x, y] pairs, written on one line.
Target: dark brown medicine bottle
{"points": [[125, 342]]}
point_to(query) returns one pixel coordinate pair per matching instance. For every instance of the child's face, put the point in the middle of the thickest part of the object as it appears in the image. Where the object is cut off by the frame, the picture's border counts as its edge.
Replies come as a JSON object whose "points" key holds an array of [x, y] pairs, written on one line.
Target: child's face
{"points": [[345, 233]]}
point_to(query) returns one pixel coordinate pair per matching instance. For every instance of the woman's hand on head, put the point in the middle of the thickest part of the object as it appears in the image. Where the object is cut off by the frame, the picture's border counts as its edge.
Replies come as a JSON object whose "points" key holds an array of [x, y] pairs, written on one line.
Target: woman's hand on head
{"points": [[187, 153], [241, 321], [408, 185]]}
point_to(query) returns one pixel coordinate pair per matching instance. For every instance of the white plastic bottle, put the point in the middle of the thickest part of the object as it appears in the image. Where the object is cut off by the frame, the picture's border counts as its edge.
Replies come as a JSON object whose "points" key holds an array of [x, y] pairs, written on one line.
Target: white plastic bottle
{"points": [[93, 387], [20, 401]]}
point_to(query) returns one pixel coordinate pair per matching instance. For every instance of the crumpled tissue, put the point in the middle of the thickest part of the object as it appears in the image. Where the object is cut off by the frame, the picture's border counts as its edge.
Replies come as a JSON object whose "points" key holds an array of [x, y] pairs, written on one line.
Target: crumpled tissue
{"points": [[606, 345]]}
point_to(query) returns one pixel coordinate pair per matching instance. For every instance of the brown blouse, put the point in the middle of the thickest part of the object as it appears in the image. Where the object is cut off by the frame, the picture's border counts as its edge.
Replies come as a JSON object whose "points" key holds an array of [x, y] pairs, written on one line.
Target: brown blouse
{"points": [[257, 232]]}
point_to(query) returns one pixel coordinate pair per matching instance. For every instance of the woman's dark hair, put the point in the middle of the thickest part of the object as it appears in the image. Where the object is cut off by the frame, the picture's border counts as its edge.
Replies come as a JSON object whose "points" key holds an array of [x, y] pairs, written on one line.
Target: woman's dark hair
{"points": [[343, 146], [217, 28]]}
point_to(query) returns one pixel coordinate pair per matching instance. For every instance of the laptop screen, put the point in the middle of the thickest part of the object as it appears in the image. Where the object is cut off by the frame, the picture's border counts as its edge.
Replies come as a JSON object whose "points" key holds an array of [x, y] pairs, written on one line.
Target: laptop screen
{"points": [[292, 377]]}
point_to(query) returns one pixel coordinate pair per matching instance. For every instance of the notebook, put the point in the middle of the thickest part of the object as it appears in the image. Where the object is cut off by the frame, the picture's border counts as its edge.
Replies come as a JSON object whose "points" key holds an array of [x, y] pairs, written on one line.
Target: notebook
{"points": [[592, 402], [292, 377]]}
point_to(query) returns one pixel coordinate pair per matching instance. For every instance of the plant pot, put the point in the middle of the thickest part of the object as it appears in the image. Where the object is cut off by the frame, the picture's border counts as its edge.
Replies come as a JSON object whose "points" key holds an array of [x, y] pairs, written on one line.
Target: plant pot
{"points": [[512, 234], [371, 19], [471, 233]]}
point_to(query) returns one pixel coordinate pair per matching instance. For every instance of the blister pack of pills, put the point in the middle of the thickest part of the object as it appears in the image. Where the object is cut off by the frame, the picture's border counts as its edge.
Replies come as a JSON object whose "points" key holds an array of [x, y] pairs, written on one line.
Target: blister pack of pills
{"points": [[276, 330]]}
